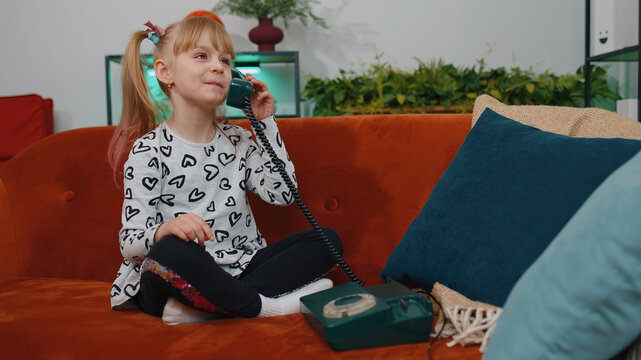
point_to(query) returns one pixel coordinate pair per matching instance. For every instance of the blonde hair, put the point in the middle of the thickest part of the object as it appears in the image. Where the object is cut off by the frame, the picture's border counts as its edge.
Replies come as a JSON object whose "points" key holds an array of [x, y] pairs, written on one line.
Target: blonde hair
{"points": [[139, 112]]}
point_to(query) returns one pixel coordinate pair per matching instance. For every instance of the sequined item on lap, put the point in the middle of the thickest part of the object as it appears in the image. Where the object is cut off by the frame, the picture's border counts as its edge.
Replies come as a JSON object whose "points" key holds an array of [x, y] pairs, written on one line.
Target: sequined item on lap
{"points": [[188, 291]]}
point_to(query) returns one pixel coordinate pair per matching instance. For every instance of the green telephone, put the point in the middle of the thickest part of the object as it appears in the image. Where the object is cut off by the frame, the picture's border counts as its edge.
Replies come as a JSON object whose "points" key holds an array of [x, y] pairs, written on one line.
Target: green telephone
{"points": [[347, 316]]}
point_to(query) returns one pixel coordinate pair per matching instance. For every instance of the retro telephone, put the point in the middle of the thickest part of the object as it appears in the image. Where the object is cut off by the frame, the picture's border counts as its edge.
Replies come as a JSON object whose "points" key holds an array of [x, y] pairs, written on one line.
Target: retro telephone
{"points": [[347, 316]]}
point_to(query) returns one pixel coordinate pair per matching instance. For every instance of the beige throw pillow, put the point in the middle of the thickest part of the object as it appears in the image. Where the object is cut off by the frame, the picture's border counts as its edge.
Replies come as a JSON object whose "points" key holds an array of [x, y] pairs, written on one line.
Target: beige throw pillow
{"points": [[576, 122]]}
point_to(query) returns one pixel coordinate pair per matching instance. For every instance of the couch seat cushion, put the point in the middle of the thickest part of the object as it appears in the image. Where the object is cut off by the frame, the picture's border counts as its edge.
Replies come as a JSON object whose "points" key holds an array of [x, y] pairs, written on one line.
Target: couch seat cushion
{"points": [[71, 319]]}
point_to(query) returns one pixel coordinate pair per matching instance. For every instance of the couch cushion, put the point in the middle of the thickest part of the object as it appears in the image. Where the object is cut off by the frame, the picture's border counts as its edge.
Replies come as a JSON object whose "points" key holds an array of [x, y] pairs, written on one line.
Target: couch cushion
{"points": [[580, 299], [24, 120], [71, 319], [508, 192], [579, 122]]}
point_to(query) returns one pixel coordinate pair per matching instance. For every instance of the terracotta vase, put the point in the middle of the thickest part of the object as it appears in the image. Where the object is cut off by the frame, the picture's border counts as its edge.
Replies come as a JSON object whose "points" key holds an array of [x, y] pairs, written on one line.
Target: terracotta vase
{"points": [[266, 35]]}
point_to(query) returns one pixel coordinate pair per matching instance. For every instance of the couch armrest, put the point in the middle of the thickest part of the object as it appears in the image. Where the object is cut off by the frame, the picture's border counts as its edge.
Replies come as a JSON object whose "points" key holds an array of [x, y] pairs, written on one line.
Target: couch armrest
{"points": [[8, 254]]}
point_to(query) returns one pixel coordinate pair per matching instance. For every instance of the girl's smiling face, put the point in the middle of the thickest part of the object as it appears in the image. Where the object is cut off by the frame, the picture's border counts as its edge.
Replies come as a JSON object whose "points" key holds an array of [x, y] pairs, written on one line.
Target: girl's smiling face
{"points": [[201, 74]]}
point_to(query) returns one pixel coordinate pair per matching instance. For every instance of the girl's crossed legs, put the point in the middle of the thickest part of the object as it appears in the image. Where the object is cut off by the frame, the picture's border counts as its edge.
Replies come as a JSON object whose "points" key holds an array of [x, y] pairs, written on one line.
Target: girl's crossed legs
{"points": [[185, 271]]}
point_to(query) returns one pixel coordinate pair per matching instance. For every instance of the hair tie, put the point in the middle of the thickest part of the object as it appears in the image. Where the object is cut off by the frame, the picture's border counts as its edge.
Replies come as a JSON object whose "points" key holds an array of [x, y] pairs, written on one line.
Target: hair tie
{"points": [[154, 32]]}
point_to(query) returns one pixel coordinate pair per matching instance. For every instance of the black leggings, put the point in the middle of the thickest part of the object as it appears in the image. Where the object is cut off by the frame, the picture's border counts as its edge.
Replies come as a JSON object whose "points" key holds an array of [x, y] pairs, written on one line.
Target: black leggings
{"points": [[185, 271]]}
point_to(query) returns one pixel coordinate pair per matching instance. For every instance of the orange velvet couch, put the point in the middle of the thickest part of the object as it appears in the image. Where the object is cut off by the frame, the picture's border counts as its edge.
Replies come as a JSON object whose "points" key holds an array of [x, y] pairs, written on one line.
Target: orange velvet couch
{"points": [[365, 176]]}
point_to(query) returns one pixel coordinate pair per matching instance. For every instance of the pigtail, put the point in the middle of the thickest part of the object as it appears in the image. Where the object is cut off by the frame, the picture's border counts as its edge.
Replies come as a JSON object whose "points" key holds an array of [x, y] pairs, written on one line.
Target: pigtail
{"points": [[138, 111]]}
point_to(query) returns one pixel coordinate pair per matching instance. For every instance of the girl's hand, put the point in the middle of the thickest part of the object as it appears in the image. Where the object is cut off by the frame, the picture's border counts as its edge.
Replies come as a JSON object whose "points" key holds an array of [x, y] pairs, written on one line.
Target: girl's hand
{"points": [[262, 100], [187, 227]]}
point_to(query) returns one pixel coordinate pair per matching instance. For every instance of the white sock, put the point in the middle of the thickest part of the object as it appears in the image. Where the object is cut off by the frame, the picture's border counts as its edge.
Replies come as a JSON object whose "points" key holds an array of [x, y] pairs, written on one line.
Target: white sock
{"points": [[289, 303], [176, 313]]}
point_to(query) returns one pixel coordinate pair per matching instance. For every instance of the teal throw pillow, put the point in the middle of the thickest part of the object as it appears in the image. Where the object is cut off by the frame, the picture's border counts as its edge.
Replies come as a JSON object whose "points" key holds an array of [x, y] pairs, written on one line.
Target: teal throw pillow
{"points": [[508, 192], [582, 298]]}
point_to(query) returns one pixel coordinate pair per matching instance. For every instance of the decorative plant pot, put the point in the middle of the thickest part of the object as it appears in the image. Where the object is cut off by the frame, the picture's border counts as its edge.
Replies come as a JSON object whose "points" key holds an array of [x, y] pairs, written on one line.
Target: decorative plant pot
{"points": [[266, 35]]}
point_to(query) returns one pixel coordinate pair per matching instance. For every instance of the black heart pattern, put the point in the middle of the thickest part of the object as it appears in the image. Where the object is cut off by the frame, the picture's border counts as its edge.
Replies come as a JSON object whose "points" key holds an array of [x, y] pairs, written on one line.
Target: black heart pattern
{"points": [[151, 221], [196, 195], [224, 184], [166, 150], [287, 196], [221, 235], [234, 217], [238, 241], [251, 150], [128, 195], [179, 181], [165, 199], [211, 207], [225, 158], [188, 161], [248, 220], [153, 163], [139, 147], [279, 140], [230, 201], [131, 289], [149, 183], [209, 150], [129, 173], [150, 135], [210, 222], [167, 135], [130, 212], [165, 170], [115, 290], [212, 171]]}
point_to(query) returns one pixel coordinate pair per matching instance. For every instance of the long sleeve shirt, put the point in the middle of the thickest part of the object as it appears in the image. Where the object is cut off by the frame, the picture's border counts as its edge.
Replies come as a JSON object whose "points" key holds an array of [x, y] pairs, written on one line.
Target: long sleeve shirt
{"points": [[166, 176]]}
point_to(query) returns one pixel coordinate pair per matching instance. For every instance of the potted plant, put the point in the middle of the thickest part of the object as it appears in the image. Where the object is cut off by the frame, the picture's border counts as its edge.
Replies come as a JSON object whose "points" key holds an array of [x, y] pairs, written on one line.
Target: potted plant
{"points": [[266, 35]]}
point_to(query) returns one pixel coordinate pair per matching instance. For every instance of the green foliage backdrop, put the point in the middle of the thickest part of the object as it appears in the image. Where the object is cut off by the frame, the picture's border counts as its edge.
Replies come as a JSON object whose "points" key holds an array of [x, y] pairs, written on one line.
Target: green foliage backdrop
{"points": [[439, 87]]}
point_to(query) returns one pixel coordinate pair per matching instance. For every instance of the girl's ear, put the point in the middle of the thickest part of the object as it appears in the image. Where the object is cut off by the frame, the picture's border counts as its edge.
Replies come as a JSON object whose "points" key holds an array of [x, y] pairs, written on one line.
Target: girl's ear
{"points": [[163, 74]]}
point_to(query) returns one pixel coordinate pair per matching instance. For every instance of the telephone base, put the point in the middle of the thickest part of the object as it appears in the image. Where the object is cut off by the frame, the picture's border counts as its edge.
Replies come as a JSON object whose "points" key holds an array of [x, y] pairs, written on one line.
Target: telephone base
{"points": [[349, 316]]}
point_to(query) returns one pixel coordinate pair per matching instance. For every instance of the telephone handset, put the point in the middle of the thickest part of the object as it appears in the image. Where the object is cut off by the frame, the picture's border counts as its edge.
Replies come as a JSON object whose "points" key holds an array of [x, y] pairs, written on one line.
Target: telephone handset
{"points": [[239, 89], [239, 96]]}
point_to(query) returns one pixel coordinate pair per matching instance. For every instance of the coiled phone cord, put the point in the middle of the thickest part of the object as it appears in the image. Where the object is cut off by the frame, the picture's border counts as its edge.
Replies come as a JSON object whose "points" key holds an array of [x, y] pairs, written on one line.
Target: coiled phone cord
{"points": [[280, 167]]}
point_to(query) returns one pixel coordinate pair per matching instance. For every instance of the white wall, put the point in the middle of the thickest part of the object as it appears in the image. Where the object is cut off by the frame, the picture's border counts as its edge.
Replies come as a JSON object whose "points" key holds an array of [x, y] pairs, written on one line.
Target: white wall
{"points": [[56, 48]]}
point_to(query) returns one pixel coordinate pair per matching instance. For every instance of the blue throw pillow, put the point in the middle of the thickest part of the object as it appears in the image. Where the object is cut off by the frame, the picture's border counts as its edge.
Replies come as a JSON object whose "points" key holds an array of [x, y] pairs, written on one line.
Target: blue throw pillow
{"points": [[582, 298], [505, 196]]}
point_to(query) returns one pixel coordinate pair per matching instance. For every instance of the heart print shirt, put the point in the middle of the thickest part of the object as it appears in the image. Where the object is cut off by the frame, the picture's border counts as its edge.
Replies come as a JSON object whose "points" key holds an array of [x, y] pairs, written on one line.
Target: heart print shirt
{"points": [[166, 176]]}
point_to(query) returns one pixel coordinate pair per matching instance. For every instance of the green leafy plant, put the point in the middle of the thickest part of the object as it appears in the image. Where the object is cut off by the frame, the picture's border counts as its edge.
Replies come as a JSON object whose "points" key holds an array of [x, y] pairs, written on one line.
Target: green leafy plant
{"points": [[439, 87], [284, 9]]}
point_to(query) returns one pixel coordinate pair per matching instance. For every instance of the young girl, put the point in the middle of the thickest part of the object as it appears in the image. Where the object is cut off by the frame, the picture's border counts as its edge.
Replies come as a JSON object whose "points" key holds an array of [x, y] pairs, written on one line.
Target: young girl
{"points": [[191, 247]]}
